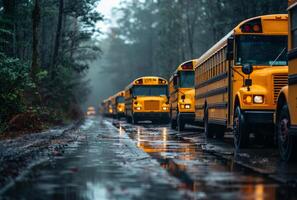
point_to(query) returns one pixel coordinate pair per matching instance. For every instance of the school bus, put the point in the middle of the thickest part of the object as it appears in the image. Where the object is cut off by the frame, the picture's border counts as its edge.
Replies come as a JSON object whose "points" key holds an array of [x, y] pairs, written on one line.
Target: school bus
{"points": [[146, 98], [286, 111], [182, 95], [237, 81], [108, 109], [118, 104]]}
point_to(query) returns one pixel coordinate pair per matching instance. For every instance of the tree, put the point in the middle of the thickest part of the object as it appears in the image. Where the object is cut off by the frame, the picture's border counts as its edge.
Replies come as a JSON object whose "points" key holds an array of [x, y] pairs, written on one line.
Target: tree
{"points": [[35, 39]]}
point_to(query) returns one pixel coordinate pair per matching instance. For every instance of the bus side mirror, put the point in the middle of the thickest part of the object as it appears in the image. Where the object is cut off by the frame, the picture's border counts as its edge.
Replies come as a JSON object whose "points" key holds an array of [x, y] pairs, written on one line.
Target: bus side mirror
{"points": [[230, 48]]}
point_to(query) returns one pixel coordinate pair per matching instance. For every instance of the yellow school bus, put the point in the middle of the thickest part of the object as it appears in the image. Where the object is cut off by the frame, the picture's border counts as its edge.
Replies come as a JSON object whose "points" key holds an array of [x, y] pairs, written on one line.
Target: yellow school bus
{"points": [[146, 98], [118, 104], [108, 110], [286, 111], [182, 95], [237, 81]]}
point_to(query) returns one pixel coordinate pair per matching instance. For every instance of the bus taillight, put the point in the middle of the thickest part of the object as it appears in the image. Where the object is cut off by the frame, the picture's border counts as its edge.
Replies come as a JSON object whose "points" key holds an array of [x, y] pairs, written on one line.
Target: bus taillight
{"points": [[254, 26], [188, 65]]}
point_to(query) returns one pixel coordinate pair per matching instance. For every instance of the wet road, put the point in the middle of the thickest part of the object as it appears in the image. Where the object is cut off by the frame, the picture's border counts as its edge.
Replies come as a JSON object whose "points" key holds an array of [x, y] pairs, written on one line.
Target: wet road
{"points": [[141, 162]]}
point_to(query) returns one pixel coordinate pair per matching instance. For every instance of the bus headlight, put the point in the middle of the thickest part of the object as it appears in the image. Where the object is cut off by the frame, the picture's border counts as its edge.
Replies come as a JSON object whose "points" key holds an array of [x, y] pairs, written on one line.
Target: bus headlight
{"points": [[137, 108], [187, 106], [258, 99]]}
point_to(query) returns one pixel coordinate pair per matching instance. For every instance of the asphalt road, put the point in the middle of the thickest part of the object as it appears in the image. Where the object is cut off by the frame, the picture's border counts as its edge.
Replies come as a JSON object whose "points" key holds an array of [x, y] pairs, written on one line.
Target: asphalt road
{"points": [[117, 160]]}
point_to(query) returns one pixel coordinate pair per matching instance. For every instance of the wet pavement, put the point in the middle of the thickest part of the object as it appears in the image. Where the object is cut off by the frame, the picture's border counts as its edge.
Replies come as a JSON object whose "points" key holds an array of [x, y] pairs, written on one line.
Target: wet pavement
{"points": [[122, 161]]}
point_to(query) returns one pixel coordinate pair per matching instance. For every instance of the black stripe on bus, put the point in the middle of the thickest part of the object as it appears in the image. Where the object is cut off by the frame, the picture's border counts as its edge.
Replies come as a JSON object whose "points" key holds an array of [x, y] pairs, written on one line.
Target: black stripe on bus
{"points": [[292, 79], [292, 54], [217, 105], [223, 105], [215, 92], [217, 121], [212, 80]]}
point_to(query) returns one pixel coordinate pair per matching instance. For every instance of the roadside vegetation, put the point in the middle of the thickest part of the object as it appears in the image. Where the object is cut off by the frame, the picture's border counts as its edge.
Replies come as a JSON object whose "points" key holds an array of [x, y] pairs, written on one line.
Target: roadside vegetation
{"points": [[45, 50]]}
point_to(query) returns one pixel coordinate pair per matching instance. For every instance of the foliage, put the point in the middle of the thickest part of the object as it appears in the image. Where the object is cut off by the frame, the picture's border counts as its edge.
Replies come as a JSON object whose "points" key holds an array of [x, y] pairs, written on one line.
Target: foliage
{"points": [[39, 76], [14, 81]]}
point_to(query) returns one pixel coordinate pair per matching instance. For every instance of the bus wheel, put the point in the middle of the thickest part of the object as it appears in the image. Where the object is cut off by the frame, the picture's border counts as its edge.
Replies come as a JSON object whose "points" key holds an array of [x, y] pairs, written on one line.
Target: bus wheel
{"points": [[287, 144], [240, 130], [173, 124], [134, 120], [180, 124], [220, 132], [208, 130], [128, 119]]}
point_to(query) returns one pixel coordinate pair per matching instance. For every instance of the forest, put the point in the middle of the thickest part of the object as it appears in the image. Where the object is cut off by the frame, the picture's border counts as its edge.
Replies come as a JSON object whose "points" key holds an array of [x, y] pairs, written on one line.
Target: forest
{"points": [[45, 48], [48, 46]]}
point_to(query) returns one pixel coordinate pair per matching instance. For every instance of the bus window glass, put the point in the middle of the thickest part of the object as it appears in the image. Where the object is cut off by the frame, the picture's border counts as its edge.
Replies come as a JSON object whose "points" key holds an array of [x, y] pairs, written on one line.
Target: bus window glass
{"points": [[187, 79], [120, 100], [150, 90], [261, 50]]}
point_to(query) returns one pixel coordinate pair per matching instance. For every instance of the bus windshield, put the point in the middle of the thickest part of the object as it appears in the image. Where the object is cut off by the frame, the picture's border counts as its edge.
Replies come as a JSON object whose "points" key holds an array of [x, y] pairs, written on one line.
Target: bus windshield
{"points": [[150, 90], [120, 99], [187, 79], [261, 50]]}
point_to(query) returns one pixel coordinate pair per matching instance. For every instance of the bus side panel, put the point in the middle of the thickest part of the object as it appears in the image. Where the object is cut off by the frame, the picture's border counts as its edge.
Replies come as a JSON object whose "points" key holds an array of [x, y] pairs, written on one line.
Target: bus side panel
{"points": [[173, 100], [211, 83], [128, 103]]}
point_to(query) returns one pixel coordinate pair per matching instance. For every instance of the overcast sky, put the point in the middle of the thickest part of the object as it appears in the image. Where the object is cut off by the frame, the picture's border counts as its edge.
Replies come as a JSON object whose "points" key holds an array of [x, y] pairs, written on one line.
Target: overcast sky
{"points": [[105, 8]]}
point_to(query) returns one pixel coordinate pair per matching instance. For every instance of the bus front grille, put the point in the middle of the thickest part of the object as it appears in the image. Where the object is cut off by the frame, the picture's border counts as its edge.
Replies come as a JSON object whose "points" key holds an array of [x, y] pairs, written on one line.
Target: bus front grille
{"points": [[151, 105], [279, 82]]}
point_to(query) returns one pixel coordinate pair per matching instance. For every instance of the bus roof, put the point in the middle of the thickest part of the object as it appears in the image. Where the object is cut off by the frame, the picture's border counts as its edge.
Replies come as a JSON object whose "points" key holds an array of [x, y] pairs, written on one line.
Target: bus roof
{"points": [[238, 31], [185, 66], [148, 80], [271, 24]]}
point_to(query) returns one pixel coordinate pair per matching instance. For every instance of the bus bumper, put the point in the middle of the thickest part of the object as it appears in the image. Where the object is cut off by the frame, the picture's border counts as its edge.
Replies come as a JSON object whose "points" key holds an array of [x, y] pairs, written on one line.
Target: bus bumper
{"points": [[151, 116], [293, 130], [187, 117], [121, 114], [259, 117]]}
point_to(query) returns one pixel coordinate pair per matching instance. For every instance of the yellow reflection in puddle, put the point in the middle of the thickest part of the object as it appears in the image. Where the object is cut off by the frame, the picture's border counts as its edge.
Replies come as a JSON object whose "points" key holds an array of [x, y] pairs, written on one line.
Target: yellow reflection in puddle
{"points": [[138, 137], [165, 137], [259, 192], [121, 130]]}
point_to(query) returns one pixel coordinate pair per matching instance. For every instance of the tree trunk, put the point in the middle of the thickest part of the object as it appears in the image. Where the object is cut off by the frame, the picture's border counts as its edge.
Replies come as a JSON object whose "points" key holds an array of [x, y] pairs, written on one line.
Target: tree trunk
{"points": [[57, 39], [35, 39], [9, 8]]}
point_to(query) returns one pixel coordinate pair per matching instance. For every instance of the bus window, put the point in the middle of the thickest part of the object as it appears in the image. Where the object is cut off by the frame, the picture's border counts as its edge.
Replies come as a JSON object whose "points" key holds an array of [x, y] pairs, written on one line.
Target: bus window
{"points": [[120, 99], [150, 90], [262, 50], [187, 79]]}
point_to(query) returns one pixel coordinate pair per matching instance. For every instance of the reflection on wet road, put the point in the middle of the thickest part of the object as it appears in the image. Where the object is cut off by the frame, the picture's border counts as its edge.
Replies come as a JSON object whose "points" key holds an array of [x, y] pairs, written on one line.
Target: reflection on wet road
{"points": [[106, 166], [140, 162], [204, 174]]}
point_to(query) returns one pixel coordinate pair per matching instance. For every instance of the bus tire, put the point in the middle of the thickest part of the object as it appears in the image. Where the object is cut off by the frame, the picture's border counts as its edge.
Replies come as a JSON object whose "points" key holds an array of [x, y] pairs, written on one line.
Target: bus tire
{"points": [[240, 130], [287, 144], [128, 119], [180, 123], [208, 128], [173, 124], [220, 132], [134, 120]]}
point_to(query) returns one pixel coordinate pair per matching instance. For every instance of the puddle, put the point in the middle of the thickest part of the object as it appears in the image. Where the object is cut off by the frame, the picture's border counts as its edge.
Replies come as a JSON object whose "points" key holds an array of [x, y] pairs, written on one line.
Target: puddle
{"points": [[201, 172]]}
